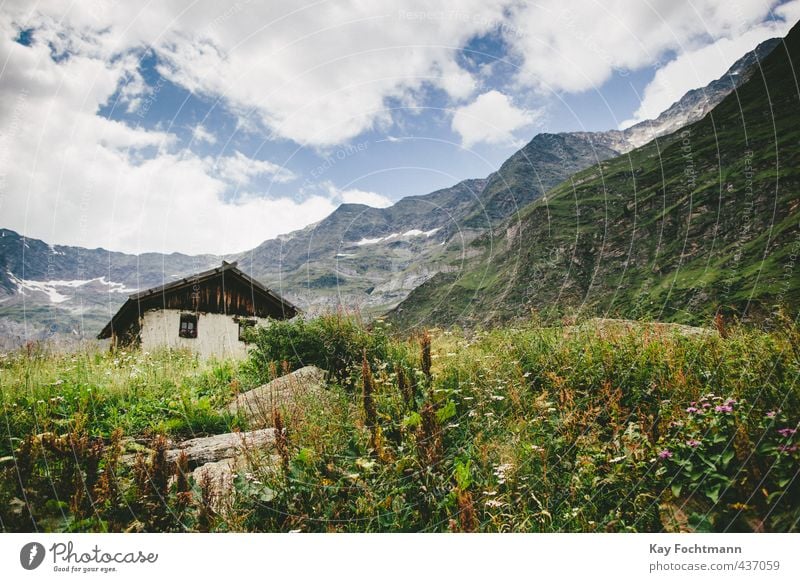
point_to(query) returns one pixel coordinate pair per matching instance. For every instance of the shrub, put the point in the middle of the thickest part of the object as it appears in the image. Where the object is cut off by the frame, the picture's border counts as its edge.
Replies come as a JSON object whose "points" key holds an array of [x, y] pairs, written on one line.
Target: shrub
{"points": [[335, 343]]}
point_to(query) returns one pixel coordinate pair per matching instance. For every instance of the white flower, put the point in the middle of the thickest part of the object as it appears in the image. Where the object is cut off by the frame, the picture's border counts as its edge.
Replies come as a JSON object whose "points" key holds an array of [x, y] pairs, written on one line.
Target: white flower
{"points": [[501, 470]]}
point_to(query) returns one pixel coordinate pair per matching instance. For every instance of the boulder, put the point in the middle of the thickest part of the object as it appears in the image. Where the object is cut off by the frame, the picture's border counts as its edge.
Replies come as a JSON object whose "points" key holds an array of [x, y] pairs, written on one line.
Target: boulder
{"points": [[222, 446], [218, 476], [284, 392]]}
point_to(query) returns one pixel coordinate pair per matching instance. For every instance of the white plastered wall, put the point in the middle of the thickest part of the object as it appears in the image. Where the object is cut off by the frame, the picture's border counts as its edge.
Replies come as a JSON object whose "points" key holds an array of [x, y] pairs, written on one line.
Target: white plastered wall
{"points": [[217, 334]]}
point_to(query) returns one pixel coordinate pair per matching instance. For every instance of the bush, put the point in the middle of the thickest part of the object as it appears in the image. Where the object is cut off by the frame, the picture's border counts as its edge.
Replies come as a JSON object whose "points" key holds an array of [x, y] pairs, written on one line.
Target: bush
{"points": [[335, 343]]}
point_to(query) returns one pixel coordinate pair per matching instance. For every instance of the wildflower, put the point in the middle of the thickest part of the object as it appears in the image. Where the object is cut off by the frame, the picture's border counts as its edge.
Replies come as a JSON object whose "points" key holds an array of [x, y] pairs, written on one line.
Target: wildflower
{"points": [[501, 470], [786, 432], [706, 405], [665, 454], [723, 408], [770, 414], [694, 443], [787, 448], [691, 410]]}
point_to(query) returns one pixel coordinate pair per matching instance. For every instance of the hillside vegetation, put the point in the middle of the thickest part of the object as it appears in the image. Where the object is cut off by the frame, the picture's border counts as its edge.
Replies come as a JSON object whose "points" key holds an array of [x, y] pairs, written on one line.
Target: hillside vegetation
{"points": [[699, 221], [602, 426]]}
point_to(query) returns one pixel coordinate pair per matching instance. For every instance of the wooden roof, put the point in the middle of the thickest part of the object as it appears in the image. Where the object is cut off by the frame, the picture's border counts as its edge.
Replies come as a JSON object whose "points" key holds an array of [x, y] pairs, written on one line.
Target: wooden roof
{"points": [[224, 289]]}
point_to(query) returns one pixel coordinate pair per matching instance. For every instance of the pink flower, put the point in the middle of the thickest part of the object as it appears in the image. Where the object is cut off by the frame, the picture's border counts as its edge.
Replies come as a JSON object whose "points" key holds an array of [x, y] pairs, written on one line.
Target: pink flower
{"points": [[730, 402], [694, 443], [691, 410], [665, 454], [786, 432], [771, 414], [787, 448], [706, 405], [723, 408]]}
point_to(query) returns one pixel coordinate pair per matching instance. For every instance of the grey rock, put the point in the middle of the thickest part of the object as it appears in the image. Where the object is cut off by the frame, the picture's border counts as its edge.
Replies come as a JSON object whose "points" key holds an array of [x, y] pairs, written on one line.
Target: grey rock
{"points": [[223, 446], [257, 404]]}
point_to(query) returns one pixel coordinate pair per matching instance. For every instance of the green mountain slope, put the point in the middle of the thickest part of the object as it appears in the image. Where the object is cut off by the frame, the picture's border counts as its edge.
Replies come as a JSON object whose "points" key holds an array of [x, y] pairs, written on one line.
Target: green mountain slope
{"points": [[542, 164], [705, 218]]}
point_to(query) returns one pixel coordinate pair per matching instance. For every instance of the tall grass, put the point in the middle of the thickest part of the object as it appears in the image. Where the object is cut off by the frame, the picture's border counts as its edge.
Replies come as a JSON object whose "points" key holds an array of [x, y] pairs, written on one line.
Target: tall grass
{"points": [[595, 427]]}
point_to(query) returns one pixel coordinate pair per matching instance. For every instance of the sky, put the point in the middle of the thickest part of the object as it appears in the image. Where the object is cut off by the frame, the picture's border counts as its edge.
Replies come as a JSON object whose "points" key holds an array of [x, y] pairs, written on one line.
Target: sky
{"points": [[209, 127]]}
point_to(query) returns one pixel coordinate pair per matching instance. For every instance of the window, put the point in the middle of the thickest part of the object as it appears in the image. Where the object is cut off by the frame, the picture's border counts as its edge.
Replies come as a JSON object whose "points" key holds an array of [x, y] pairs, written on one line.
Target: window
{"points": [[244, 325], [188, 325]]}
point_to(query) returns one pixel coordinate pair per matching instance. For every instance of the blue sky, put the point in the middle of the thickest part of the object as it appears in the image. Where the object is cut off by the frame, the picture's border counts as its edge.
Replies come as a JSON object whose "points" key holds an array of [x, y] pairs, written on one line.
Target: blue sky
{"points": [[244, 122]]}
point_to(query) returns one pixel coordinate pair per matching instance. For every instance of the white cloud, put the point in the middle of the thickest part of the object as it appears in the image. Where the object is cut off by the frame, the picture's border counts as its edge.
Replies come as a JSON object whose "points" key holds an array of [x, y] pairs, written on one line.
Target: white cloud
{"points": [[576, 46], [330, 68], [336, 195], [239, 169], [200, 134], [361, 197], [318, 74], [491, 118], [697, 68]]}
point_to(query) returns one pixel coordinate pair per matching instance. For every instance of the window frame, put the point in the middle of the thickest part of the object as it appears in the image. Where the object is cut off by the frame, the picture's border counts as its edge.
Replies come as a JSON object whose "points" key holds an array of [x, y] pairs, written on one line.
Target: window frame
{"points": [[245, 323], [186, 332]]}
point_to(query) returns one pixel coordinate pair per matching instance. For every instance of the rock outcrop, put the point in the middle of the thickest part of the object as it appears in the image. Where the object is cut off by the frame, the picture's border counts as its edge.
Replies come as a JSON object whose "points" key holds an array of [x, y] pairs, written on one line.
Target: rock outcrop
{"points": [[257, 404], [222, 446]]}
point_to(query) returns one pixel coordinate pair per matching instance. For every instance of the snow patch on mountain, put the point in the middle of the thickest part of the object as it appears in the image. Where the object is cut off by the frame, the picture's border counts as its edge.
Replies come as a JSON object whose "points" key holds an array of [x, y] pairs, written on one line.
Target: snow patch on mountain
{"points": [[53, 289], [407, 234]]}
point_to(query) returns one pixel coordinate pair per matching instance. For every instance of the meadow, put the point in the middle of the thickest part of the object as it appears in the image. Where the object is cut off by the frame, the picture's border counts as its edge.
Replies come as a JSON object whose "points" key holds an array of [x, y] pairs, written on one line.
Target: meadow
{"points": [[600, 426]]}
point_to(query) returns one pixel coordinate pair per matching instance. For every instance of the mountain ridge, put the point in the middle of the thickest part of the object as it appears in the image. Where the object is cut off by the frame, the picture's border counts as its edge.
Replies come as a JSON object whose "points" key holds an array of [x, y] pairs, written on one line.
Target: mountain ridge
{"points": [[700, 221]]}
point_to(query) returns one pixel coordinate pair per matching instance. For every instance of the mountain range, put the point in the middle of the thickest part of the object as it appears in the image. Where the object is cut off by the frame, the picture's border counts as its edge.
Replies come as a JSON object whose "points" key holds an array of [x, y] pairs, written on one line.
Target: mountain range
{"points": [[459, 251], [700, 221]]}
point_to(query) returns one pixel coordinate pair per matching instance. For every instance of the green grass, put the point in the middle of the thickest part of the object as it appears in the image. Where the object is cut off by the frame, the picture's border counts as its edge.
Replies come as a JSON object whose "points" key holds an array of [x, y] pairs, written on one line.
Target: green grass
{"points": [[167, 392], [531, 428]]}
